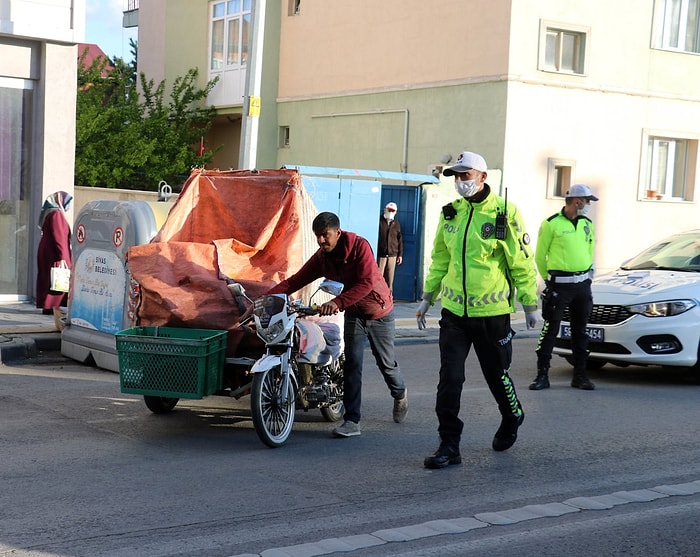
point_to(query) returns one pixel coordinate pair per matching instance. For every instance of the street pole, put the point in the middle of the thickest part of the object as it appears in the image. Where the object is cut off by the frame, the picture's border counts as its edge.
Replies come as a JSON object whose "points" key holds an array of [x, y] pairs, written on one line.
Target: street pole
{"points": [[247, 156]]}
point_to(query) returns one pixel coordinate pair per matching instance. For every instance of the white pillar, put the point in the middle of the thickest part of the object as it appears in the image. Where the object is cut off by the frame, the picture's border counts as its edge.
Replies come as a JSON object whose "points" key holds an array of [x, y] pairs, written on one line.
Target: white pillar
{"points": [[247, 157]]}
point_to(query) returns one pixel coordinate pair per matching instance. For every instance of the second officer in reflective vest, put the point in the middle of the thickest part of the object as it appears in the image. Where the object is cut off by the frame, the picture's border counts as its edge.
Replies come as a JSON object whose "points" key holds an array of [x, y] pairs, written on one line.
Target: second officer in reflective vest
{"points": [[564, 258]]}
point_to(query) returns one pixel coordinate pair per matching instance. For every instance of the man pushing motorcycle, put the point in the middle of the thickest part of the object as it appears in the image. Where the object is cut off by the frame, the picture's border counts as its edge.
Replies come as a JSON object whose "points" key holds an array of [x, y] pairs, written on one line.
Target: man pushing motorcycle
{"points": [[368, 308]]}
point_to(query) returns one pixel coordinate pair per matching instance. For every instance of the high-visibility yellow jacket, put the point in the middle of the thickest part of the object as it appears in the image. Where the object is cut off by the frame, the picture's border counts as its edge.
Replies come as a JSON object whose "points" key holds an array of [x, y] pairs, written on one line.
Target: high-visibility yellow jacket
{"points": [[564, 244], [475, 273]]}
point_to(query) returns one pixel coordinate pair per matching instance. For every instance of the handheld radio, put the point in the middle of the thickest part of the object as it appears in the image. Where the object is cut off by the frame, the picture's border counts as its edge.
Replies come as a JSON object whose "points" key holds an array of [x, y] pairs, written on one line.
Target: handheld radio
{"points": [[502, 219]]}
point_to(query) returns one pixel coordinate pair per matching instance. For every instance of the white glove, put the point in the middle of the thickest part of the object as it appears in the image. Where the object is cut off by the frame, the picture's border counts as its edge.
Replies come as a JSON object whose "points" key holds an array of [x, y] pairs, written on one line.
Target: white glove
{"points": [[532, 318]]}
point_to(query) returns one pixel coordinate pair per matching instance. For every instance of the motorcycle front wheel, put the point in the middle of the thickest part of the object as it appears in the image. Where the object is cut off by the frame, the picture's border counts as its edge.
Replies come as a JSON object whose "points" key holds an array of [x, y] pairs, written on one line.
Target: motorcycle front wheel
{"points": [[273, 413]]}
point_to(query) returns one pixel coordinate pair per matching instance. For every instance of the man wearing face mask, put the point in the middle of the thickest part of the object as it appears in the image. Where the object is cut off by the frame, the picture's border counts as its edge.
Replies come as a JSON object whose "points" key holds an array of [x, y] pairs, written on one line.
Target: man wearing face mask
{"points": [[389, 244], [481, 262], [564, 258]]}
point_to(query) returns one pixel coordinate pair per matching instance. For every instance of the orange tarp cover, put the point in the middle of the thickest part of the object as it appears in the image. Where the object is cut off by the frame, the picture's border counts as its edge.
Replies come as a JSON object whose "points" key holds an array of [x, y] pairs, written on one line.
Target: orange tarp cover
{"points": [[250, 226]]}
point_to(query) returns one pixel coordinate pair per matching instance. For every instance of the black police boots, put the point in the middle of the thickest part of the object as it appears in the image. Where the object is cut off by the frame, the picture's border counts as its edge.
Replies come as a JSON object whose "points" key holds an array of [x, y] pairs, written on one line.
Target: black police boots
{"points": [[444, 456], [507, 433], [541, 381], [581, 381]]}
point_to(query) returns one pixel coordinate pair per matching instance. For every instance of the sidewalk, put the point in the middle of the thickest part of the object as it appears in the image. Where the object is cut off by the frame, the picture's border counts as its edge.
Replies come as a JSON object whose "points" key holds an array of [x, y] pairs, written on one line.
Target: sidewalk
{"points": [[25, 331]]}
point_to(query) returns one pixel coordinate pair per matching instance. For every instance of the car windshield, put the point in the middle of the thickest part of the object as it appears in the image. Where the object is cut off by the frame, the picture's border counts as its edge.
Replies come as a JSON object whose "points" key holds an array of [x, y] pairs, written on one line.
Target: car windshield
{"points": [[677, 253]]}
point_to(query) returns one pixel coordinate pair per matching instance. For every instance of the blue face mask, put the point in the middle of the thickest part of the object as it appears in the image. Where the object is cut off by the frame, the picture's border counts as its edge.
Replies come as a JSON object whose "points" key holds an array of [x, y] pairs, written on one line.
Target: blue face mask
{"points": [[584, 210]]}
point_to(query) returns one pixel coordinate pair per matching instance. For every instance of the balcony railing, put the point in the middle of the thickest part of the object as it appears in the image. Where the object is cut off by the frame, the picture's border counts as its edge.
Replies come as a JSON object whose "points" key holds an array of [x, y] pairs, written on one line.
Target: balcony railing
{"points": [[130, 18]]}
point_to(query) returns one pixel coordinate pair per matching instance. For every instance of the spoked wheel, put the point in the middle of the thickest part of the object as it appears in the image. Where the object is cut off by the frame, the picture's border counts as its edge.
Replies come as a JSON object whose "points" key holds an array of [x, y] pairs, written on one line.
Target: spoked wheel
{"points": [[334, 412], [273, 414], [160, 404]]}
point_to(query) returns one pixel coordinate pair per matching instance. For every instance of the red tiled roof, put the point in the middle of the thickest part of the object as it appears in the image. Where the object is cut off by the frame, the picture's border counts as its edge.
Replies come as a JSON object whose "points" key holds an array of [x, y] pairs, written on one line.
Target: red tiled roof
{"points": [[93, 53]]}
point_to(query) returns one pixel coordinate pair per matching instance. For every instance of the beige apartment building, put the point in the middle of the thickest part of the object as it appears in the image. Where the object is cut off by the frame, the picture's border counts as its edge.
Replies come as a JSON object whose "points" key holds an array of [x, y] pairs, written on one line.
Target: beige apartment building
{"points": [[38, 78], [551, 93]]}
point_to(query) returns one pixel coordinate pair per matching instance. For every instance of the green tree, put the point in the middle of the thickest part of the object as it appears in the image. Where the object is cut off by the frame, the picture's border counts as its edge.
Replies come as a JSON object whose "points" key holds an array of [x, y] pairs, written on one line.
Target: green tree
{"points": [[129, 135]]}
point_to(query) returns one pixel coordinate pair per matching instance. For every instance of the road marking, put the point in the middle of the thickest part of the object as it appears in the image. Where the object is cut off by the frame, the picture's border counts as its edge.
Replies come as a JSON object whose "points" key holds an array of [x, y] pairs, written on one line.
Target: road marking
{"points": [[481, 520]]}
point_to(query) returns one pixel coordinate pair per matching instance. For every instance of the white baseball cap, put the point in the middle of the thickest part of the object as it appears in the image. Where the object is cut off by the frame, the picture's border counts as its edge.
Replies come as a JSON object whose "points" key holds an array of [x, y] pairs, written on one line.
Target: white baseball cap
{"points": [[465, 162], [391, 207], [581, 190]]}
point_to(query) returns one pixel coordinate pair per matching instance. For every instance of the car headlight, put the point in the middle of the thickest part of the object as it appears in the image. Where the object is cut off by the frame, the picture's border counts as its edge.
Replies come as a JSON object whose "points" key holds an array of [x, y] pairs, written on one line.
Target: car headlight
{"points": [[662, 309]]}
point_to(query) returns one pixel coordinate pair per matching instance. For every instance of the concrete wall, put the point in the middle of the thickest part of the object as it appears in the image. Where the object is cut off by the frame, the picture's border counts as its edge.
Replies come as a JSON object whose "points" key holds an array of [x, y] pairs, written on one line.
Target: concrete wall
{"points": [[336, 48], [84, 195], [369, 131]]}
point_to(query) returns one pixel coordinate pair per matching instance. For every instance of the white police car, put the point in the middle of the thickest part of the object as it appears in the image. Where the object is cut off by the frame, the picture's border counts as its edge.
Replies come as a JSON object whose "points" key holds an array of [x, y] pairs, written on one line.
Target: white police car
{"points": [[648, 311]]}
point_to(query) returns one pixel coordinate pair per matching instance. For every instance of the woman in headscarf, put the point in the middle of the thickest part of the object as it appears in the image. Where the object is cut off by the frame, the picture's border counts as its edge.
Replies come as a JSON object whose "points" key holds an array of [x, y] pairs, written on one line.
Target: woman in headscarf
{"points": [[54, 247]]}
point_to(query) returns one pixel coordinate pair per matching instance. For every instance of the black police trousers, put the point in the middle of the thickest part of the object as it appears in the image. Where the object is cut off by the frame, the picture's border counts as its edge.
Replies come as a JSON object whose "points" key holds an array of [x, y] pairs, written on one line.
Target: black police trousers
{"points": [[492, 340], [578, 298]]}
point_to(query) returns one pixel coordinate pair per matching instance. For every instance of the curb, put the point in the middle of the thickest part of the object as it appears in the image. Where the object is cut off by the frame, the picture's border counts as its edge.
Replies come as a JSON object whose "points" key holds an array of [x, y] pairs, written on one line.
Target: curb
{"points": [[18, 348]]}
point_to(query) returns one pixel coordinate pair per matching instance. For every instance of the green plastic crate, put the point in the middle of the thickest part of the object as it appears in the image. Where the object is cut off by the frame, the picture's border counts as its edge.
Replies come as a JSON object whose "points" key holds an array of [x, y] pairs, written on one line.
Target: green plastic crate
{"points": [[171, 362]]}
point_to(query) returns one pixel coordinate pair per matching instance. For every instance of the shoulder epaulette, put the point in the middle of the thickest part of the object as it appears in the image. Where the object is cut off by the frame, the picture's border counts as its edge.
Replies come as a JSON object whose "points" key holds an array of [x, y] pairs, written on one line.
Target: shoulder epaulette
{"points": [[555, 215]]}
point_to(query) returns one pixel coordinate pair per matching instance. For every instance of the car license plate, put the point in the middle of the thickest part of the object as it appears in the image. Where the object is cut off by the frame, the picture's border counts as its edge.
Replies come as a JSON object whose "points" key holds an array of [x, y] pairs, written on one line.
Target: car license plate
{"points": [[594, 333]]}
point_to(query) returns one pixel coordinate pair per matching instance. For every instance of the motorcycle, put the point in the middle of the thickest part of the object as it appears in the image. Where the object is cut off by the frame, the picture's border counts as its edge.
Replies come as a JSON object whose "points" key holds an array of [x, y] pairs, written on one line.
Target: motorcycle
{"points": [[302, 367]]}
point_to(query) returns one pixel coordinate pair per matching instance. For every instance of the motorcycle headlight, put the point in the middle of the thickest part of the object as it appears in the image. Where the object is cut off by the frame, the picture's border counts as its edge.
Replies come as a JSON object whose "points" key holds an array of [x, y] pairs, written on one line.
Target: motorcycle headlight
{"points": [[662, 309], [270, 333]]}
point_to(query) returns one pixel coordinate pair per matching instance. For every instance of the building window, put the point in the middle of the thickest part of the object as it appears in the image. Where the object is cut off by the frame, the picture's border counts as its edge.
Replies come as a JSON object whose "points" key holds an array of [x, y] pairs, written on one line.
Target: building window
{"points": [[560, 174], [563, 48], [293, 7], [230, 32], [284, 136], [677, 25], [670, 168]]}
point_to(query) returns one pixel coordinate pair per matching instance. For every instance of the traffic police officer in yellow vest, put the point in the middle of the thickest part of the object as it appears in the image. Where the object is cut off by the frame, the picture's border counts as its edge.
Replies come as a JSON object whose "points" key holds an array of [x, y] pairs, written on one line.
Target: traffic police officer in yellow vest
{"points": [[564, 258], [481, 257]]}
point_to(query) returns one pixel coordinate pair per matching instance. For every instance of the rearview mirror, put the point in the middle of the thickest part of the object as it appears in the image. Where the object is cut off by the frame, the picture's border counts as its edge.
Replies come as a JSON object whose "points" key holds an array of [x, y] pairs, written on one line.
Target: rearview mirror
{"points": [[332, 287], [237, 289]]}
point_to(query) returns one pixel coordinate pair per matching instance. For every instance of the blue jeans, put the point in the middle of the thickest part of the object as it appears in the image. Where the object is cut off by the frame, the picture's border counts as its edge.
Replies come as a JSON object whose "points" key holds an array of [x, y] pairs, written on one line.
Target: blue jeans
{"points": [[380, 333], [491, 337]]}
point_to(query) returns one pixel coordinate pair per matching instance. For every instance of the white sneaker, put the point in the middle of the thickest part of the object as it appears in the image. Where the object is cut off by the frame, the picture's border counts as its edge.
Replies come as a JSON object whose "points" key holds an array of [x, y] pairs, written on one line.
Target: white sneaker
{"points": [[348, 429]]}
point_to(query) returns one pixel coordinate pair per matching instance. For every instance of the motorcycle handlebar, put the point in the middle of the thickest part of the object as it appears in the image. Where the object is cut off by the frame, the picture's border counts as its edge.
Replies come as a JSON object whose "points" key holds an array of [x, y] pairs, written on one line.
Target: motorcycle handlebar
{"points": [[308, 310]]}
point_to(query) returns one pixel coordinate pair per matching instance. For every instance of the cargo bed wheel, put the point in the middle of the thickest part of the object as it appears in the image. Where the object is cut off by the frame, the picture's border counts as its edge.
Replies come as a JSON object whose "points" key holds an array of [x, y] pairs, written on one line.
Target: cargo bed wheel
{"points": [[160, 404]]}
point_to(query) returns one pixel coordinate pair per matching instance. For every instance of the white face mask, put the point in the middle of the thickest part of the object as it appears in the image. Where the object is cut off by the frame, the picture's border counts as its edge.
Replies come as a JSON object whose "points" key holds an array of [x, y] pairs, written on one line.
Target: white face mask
{"points": [[466, 188], [584, 210], [389, 216]]}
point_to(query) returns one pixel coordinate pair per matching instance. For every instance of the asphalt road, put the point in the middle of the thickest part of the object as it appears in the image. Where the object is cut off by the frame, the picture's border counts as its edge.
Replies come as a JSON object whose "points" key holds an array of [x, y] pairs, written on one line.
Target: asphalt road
{"points": [[88, 471]]}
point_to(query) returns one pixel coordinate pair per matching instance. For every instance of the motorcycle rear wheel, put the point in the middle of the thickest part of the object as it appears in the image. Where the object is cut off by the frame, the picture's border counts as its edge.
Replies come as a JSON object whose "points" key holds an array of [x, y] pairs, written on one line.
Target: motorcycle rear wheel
{"points": [[273, 418], [335, 412]]}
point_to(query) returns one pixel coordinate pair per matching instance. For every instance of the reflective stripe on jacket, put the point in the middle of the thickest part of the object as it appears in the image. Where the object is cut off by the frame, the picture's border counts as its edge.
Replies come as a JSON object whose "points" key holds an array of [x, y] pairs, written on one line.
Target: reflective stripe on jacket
{"points": [[475, 273]]}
